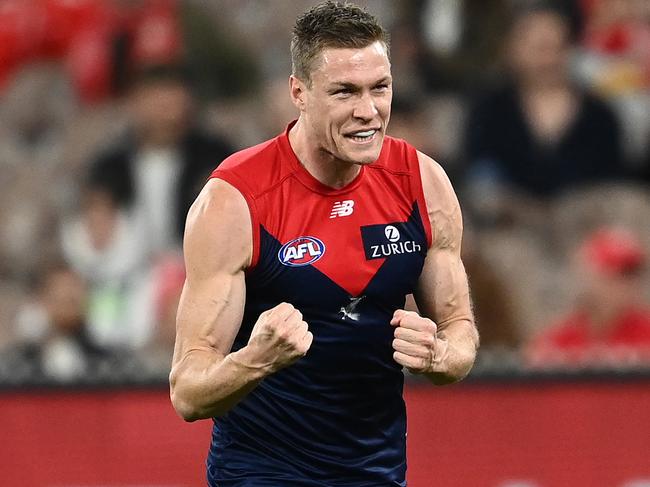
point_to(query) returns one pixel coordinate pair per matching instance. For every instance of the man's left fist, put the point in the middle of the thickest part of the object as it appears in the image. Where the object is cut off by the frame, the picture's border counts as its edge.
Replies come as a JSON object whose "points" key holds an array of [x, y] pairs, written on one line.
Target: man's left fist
{"points": [[416, 344]]}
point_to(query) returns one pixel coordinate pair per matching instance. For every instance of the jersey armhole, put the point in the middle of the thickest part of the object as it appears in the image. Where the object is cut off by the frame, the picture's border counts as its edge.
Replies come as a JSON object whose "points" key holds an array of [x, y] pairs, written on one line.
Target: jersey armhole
{"points": [[240, 186], [417, 192]]}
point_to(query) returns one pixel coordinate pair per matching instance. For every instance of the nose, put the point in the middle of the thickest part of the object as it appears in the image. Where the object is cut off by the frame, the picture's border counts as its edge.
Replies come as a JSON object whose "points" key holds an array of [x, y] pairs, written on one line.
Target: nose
{"points": [[365, 108]]}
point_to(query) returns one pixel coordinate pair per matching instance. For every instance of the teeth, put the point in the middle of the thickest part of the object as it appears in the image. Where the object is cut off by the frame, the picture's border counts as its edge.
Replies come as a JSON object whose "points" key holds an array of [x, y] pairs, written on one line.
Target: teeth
{"points": [[367, 133]]}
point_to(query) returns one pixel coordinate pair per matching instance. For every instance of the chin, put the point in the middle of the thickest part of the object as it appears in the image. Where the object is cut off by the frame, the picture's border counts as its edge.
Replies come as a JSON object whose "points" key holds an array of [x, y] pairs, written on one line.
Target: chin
{"points": [[361, 159], [366, 160], [364, 156]]}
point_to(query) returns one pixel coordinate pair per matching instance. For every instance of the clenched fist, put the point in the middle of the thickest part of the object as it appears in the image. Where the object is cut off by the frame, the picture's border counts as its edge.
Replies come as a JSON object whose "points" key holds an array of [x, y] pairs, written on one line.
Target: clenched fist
{"points": [[416, 344], [280, 337]]}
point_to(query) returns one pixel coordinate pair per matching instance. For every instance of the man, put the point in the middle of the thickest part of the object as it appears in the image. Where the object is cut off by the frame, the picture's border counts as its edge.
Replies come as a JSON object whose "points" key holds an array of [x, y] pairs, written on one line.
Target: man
{"points": [[55, 338], [299, 255], [156, 171], [609, 324]]}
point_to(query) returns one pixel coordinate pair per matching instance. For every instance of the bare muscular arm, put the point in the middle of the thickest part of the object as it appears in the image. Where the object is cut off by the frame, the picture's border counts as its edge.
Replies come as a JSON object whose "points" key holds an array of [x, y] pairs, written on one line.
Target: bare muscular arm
{"points": [[206, 379], [442, 342]]}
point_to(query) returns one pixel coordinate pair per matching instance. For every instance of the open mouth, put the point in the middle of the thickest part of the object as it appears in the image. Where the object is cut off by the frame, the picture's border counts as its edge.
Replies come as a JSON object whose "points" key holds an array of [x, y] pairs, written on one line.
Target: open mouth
{"points": [[362, 136]]}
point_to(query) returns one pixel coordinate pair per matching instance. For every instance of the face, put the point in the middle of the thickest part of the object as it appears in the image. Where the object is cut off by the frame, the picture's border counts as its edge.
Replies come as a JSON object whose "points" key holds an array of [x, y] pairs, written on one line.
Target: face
{"points": [[606, 291], [539, 47], [347, 107], [160, 111]]}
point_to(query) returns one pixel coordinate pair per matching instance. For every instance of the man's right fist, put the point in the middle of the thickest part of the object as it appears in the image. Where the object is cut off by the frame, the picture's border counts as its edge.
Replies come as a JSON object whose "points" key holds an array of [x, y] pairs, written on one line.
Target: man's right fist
{"points": [[280, 337]]}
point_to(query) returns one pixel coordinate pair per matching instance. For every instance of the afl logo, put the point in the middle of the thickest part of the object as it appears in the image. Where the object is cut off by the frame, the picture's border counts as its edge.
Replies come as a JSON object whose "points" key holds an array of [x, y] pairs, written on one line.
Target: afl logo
{"points": [[301, 251]]}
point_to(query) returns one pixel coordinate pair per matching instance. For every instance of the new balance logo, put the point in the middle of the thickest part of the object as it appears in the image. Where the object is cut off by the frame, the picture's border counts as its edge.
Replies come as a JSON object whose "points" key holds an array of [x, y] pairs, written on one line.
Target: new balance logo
{"points": [[342, 208]]}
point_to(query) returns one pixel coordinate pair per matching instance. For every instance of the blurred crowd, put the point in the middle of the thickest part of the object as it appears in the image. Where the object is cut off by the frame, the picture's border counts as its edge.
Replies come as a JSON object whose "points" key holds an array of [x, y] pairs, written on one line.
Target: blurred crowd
{"points": [[114, 112]]}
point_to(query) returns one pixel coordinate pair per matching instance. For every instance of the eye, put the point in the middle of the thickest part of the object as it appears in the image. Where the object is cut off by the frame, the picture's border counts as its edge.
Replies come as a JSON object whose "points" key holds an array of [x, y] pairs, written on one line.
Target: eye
{"points": [[342, 92], [381, 87]]}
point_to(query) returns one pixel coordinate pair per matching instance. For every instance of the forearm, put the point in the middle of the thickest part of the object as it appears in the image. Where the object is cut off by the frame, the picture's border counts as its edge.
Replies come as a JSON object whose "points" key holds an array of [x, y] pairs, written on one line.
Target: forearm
{"points": [[459, 354], [205, 384]]}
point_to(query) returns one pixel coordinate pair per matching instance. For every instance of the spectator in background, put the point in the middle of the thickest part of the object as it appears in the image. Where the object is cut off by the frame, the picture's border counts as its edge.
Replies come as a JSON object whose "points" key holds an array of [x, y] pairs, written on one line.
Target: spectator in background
{"points": [[539, 133], [93, 39], [103, 244], [615, 61], [52, 328], [158, 169], [610, 325], [36, 112], [617, 36]]}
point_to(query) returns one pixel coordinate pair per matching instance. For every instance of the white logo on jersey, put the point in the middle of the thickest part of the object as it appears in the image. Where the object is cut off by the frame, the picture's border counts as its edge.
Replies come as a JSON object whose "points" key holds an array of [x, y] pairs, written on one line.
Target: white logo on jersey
{"points": [[342, 208], [392, 233], [301, 251], [349, 310]]}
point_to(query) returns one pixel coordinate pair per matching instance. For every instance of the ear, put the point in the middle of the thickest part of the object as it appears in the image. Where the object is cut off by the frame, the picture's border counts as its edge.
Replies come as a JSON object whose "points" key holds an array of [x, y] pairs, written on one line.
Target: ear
{"points": [[298, 91]]}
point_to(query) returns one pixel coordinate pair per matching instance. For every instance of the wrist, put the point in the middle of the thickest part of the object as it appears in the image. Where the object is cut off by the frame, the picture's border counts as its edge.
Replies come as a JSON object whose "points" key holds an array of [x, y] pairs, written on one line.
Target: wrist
{"points": [[439, 355], [245, 359], [449, 364]]}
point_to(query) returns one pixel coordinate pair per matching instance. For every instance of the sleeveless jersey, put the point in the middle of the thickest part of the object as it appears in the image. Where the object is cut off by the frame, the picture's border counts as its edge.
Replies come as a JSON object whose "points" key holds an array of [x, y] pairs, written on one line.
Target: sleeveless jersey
{"points": [[346, 258]]}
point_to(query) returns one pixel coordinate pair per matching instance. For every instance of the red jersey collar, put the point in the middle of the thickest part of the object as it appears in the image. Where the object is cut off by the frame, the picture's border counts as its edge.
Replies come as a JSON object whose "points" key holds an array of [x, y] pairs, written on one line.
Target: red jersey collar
{"points": [[306, 178]]}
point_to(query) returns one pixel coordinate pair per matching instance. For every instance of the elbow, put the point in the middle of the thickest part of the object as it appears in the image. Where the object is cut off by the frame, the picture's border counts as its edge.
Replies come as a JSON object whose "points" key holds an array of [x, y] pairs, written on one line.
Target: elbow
{"points": [[184, 408], [181, 400], [191, 412], [186, 400]]}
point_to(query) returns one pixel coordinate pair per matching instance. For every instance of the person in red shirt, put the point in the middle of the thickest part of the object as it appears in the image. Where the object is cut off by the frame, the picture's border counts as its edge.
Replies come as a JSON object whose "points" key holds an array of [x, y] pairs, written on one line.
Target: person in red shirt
{"points": [[610, 325]]}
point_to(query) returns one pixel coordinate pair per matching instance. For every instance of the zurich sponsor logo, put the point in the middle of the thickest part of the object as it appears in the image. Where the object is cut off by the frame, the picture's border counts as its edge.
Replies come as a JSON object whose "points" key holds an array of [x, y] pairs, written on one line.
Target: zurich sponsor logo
{"points": [[301, 251], [392, 233]]}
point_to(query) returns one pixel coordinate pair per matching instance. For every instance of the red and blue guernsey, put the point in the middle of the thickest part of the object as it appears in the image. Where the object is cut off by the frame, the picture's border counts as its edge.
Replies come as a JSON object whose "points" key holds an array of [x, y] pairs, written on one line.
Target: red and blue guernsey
{"points": [[346, 258]]}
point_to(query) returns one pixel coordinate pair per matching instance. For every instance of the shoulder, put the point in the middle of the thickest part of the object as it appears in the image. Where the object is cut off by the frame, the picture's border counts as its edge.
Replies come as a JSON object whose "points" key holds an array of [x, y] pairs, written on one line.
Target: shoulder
{"points": [[115, 156], [111, 170], [494, 99], [218, 204], [249, 157], [219, 225], [437, 188], [201, 148], [203, 141], [255, 169], [596, 109], [593, 101], [432, 172], [443, 209]]}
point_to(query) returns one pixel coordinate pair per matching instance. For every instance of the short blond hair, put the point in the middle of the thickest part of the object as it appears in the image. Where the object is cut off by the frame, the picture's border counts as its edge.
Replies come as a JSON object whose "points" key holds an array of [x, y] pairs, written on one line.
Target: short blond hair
{"points": [[331, 24]]}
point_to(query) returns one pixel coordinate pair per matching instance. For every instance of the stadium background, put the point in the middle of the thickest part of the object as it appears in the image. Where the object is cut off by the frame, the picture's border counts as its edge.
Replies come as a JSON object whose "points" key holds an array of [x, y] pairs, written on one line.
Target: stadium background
{"points": [[86, 324]]}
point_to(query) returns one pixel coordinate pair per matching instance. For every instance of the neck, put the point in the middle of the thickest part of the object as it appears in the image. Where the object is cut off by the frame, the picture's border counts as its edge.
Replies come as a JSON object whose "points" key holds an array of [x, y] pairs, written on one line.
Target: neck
{"points": [[318, 162]]}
